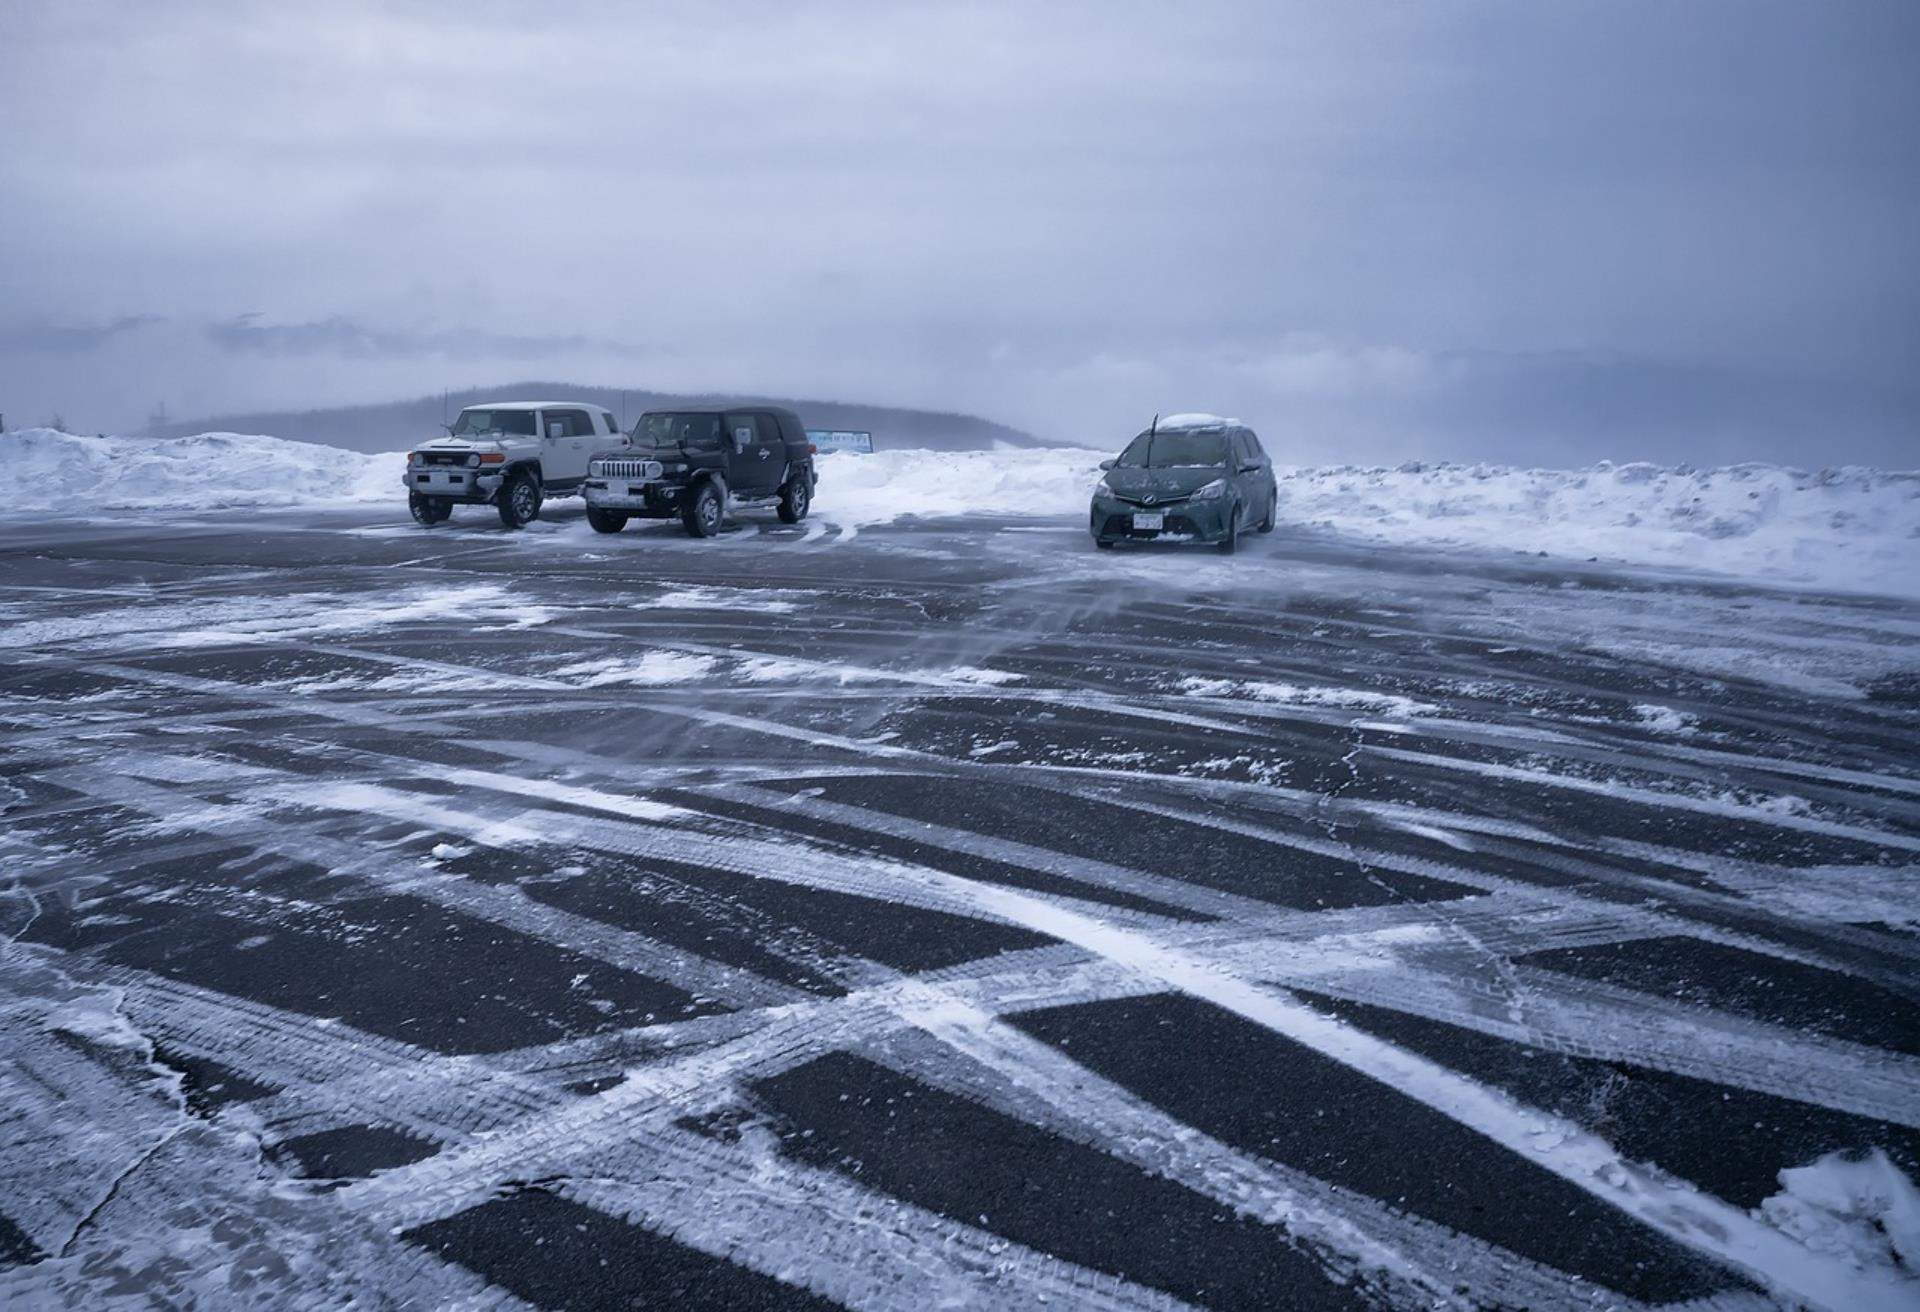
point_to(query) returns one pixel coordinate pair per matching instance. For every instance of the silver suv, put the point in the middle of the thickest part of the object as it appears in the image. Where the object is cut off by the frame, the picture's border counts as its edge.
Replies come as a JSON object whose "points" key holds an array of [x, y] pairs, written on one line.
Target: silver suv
{"points": [[510, 454]]}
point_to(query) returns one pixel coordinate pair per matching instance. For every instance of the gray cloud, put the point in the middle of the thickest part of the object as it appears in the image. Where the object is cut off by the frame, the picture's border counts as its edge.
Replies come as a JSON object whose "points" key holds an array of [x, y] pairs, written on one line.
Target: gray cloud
{"points": [[1553, 232], [39, 336], [340, 336]]}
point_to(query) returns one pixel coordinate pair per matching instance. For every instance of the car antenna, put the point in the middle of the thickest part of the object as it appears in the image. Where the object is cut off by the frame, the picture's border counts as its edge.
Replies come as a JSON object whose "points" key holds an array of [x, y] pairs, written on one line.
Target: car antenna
{"points": [[443, 411], [1152, 428]]}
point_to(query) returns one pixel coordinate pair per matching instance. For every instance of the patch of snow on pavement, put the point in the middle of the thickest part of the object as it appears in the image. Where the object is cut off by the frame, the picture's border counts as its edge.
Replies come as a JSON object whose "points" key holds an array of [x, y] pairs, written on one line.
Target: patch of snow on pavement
{"points": [[266, 618], [979, 675], [1664, 719], [1297, 695], [650, 668], [705, 598]]}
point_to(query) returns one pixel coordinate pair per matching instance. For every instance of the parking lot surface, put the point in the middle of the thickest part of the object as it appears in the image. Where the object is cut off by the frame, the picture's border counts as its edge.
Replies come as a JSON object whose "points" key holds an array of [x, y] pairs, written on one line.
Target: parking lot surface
{"points": [[943, 913]]}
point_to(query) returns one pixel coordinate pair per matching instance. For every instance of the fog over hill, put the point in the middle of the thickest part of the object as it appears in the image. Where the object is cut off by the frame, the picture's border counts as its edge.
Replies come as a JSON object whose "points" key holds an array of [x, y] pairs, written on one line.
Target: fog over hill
{"points": [[392, 425]]}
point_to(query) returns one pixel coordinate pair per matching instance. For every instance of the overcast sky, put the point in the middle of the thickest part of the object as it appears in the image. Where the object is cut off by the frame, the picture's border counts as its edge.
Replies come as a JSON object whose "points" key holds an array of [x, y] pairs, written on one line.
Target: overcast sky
{"points": [[1546, 230]]}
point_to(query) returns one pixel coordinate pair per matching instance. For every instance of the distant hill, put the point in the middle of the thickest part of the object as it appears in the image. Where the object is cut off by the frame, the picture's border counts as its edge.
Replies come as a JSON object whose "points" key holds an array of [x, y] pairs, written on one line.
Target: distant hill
{"points": [[393, 425]]}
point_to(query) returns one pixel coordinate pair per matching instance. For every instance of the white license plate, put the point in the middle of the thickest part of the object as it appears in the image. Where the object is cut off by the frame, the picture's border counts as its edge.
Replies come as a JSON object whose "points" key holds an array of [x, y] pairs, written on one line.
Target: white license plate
{"points": [[1155, 522]]}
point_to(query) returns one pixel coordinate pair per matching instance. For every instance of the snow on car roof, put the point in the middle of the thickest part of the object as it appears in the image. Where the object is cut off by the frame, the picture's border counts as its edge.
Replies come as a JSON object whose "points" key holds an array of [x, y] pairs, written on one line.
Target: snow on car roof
{"points": [[532, 405], [1198, 419]]}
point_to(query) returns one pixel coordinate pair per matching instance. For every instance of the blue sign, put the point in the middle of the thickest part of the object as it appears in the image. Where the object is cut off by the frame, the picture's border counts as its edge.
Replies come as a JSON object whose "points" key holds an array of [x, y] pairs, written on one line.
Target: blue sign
{"points": [[840, 439]]}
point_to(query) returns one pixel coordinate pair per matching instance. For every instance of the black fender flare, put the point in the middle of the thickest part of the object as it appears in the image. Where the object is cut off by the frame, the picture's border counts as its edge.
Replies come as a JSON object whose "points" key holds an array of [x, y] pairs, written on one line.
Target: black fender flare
{"points": [[713, 476]]}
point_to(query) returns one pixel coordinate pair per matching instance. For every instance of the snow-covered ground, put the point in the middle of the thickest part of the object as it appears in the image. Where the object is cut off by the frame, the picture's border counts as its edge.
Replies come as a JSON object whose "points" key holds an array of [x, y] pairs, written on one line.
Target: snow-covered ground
{"points": [[1851, 528]]}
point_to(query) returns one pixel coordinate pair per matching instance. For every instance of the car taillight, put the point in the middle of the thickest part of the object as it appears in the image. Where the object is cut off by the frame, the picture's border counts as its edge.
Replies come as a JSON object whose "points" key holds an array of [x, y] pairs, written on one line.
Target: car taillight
{"points": [[812, 450], [491, 458]]}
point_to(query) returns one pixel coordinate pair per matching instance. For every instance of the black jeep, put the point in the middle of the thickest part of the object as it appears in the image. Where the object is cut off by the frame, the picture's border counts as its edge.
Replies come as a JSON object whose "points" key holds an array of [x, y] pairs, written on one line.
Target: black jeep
{"points": [[698, 463]]}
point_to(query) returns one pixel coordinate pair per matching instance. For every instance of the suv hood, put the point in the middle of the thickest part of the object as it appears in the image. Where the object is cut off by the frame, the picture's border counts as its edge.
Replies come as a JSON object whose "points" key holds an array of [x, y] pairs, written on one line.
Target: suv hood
{"points": [[474, 443], [1170, 483]]}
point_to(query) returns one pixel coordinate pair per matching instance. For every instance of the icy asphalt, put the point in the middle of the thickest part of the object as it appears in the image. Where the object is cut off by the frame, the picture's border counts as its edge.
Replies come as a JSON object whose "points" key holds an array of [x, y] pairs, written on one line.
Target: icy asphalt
{"points": [[942, 914]]}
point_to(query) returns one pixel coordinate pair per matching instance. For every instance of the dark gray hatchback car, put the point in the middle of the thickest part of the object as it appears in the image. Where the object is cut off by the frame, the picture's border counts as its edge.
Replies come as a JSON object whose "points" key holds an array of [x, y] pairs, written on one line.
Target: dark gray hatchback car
{"points": [[1194, 478]]}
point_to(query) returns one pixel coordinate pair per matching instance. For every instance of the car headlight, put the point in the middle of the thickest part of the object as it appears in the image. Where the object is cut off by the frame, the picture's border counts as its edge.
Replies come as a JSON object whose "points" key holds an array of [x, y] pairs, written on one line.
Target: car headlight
{"points": [[473, 460], [1102, 489], [1211, 492]]}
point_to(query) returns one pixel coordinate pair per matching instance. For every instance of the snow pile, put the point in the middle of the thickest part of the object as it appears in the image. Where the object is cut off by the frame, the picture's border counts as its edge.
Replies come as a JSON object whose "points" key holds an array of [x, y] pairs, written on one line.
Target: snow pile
{"points": [[71, 473], [1850, 527], [873, 489], [1860, 1208]]}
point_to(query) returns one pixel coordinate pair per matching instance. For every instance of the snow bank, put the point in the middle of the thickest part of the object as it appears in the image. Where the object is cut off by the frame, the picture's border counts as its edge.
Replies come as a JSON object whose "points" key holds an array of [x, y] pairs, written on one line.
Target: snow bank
{"points": [[1847, 528], [67, 472], [1850, 528], [873, 489]]}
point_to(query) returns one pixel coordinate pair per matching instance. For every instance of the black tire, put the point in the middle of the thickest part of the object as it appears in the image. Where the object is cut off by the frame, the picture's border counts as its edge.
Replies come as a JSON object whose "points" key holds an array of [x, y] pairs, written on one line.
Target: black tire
{"points": [[606, 521], [428, 511], [703, 511], [796, 498], [1231, 542], [519, 501], [1266, 525], [1103, 544]]}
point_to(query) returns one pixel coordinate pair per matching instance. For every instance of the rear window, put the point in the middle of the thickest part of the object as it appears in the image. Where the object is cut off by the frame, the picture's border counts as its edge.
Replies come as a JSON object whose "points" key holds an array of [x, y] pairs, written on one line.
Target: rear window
{"points": [[475, 423], [568, 423]]}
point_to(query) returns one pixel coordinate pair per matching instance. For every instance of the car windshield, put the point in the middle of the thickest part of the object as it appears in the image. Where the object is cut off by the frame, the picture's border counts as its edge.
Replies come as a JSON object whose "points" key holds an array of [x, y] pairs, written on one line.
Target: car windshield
{"points": [[668, 429], [1166, 450], [472, 423]]}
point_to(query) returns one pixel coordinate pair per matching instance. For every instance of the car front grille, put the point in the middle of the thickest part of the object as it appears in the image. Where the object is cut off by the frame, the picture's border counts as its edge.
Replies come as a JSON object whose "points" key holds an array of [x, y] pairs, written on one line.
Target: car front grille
{"points": [[443, 457], [626, 469]]}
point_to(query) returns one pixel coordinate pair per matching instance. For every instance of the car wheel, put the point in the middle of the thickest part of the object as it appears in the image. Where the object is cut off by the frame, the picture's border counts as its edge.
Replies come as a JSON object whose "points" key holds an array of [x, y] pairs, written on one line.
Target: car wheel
{"points": [[703, 511], [1266, 525], [1231, 542], [795, 499], [428, 511], [606, 521], [519, 501], [1103, 544]]}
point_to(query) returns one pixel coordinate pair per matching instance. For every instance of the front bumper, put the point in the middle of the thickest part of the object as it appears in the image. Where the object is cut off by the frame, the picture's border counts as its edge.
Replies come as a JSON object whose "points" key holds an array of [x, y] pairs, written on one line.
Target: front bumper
{"points": [[454, 482], [635, 496], [1111, 520]]}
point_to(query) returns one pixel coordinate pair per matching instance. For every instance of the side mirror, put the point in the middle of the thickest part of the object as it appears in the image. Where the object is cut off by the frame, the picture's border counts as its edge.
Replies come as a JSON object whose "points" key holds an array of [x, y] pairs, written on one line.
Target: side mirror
{"points": [[1108, 464]]}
